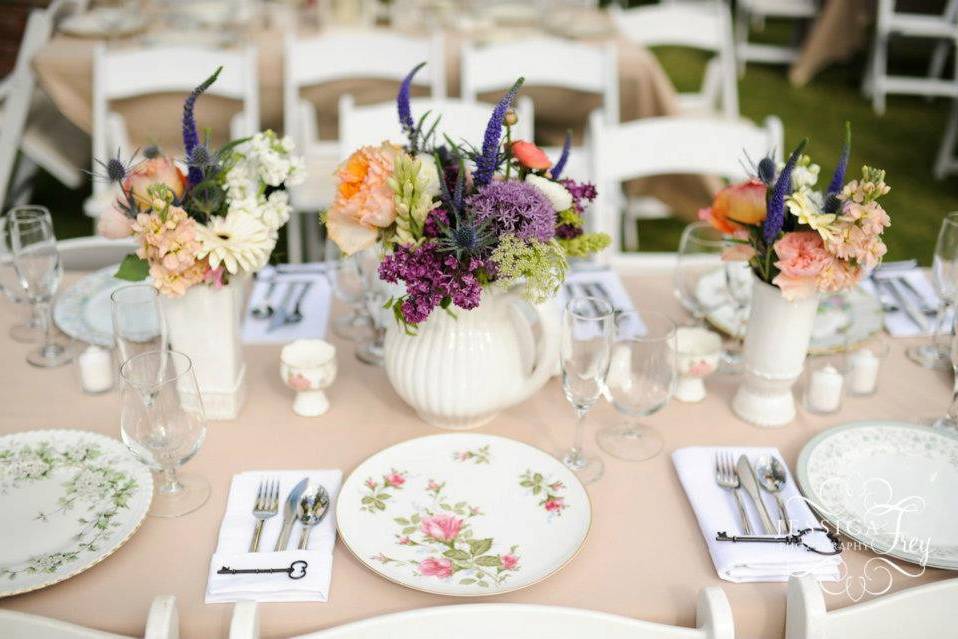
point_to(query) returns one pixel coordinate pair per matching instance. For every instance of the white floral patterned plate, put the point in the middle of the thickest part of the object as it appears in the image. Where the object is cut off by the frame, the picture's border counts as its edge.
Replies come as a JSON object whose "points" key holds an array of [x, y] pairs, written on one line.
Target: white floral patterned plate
{"points": [[463, 514], [84, 310], [68, 499], [891, 486]]}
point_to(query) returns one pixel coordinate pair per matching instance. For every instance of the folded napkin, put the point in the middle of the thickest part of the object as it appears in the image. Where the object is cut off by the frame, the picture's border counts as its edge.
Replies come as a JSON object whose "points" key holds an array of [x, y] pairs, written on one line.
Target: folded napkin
{"points": [[716, 510], [237, 530], [315, 306], [602, 283], [912, 285]]}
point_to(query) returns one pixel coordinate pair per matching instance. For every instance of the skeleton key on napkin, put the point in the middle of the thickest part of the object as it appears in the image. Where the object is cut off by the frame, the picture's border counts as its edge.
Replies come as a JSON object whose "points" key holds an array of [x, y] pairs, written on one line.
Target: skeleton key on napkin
{"points": [[296, 570]]}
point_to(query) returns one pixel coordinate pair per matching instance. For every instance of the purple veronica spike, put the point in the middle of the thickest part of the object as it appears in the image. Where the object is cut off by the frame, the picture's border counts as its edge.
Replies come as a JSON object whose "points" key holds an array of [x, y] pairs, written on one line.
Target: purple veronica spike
{"points": [[838, 179], [487, 162], [563, 157], [191, 138], [402, 99], [775, 217]]}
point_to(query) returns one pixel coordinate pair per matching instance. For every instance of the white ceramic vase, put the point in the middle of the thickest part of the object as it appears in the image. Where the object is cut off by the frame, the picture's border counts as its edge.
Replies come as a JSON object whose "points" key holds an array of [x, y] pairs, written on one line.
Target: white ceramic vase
{"points": [[205, 324], [460, 372], [776, 343]]}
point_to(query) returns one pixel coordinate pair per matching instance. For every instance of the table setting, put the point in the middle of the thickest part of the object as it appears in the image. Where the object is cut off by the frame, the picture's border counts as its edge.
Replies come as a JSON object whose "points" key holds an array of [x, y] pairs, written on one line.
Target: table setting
{"points": [[284, 463]]}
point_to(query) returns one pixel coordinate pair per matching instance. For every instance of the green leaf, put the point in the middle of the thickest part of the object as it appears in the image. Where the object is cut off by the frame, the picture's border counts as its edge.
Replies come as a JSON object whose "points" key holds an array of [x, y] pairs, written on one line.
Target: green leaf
{"points": [[480, 546], [402, 521], [445, 506], [133, 269], [456, 554], [489, 561], [408, 530], [368, 500], [380, 505], [483, 584], [415, 518], [467, 582]]}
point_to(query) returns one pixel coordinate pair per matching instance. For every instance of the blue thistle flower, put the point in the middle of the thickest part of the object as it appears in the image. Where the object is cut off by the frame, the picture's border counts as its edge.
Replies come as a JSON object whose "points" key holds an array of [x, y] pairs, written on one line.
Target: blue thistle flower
{"points": [[191, 137], [402, 100], [563, 157], [766, 170], [775, 216], [114, 170], [838, 179], [151, 152], [487, 162]]}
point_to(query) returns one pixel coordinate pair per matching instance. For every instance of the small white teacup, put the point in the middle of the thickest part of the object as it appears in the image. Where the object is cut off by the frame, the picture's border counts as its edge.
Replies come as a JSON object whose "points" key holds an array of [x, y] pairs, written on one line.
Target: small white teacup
{"points": [[699, 351], [308, 366]]}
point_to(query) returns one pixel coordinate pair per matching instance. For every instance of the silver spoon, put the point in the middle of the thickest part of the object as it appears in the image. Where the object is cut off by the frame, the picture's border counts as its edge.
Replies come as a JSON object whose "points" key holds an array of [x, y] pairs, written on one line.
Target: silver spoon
{"points": [[771, 474], [297, 314], [313, 506], [264, 310]]}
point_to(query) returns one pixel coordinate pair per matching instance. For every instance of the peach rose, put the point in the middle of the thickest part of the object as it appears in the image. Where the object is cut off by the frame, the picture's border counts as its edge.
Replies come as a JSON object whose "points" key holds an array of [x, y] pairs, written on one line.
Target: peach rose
{"points": [[737, 204], [364, 201], [114, 224], [160, 170], [529, 155], [441, 527], [801, 258], [436, 567]]}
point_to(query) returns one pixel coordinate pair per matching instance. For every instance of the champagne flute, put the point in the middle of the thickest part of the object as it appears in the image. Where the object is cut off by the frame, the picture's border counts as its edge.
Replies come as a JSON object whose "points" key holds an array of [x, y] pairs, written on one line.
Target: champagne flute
{"points": [[944, 270], [138, 322], [641, 380], [163, 423], [587, 326], [699, 256], [31, 330], [37, 263]]}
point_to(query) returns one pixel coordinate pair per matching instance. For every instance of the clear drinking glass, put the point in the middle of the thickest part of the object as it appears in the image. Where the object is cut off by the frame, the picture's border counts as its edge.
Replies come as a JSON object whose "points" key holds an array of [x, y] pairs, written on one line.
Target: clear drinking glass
{"points": [[641, 380], [163, 423], [138, 322], [37, 263], [587, 327], [738, 283], [31, 330], [935, 353], [370, 350], [697, 281], [348, 286]]}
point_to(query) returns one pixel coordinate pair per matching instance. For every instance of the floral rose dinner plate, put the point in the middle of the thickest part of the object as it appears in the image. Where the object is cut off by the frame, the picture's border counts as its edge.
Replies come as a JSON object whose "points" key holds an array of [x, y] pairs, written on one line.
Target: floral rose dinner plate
{"points": [[69, 498], [463, 514]]}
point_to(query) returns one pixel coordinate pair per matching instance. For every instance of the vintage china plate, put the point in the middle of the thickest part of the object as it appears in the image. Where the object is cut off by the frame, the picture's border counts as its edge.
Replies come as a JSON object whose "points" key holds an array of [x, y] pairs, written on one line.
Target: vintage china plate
{"points": [[463, 514], [888, 485], [69, 499], [84, 310], [102, 22], [843, 320]]}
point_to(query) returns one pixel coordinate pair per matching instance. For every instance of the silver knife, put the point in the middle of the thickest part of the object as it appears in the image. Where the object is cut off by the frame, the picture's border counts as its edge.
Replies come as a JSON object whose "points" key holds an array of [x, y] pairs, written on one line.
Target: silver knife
{"points": [[282, 309], [746, 475], [289, 513], [905, 303]]}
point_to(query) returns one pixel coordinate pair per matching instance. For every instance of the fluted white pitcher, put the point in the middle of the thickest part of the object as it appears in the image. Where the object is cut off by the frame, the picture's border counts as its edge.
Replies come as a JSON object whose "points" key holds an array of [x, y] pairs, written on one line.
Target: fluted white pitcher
{"points": [[460, 372]]}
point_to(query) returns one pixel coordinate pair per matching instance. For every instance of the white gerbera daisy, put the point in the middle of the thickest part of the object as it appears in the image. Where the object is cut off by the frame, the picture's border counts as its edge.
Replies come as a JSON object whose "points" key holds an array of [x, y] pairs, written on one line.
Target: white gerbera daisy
{"points": [[237, 241], [558, 196]]}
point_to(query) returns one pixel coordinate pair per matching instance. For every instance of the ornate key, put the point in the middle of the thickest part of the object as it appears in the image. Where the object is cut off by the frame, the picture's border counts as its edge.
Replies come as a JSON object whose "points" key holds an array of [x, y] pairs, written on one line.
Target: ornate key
{"points": [[296, 570], [797, 539]]}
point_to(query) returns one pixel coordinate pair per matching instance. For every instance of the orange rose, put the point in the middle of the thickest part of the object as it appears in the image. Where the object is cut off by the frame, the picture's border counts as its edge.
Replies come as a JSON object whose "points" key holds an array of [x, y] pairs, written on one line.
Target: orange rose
{"points": [[160, 170], [739, 204], [529, 155], [364, 202]]}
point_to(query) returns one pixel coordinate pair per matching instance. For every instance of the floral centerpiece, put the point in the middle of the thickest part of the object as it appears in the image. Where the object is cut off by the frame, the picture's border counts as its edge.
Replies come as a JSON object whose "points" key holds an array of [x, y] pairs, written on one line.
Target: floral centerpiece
{"points": [[799, 242], [203, 222], [462, 229]]}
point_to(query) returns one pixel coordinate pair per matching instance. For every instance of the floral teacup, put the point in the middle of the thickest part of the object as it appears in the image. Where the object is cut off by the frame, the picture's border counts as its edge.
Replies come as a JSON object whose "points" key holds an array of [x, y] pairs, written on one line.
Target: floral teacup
{"points": [[308, 366], [699, 351]]}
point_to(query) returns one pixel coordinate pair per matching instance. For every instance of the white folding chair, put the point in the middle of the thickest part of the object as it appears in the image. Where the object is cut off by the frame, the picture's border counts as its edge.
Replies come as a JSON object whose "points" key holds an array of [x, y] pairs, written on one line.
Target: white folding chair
{"points": [[119, 74], [327, 58], [161, 623], [461, 120], [93, 252], [941, 27], [705, 26], [668, 145], [923, 612], [512, 621], [753, 13], [29, 121]]}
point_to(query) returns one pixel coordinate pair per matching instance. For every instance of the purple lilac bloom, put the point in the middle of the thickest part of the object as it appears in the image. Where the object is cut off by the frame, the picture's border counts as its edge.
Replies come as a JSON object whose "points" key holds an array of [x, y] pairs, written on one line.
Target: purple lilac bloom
{"points": [[582, 193], [563, 157], [514, 208], [487, 162], [191, 138], [435, 219]]}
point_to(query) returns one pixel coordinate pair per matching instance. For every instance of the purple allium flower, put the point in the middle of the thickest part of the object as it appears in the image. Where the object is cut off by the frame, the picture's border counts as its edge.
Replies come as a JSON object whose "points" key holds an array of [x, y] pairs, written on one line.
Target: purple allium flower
{"points": [[775, 216], [516, 208], [563, 157], [191, 138], [582, 193], [487, 162], [402, 100]]}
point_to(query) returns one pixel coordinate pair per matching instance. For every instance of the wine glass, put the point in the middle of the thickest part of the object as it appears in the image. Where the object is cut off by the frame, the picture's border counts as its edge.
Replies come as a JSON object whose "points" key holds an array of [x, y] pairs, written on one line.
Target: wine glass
{"points": [[37, 263], [696, 286], [371, 349], [348, 286], [163, 423], [31, 330], [944, 270], [641, 380], [587, 326], [138, 322], [738, 284]]}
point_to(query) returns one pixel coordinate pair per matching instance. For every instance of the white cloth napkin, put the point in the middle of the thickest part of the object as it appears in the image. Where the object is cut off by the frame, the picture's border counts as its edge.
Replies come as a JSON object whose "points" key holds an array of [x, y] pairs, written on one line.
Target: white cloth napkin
{"points": [[315, 306], [716, 510], [237, 530], [596, 283], [915, 287]]}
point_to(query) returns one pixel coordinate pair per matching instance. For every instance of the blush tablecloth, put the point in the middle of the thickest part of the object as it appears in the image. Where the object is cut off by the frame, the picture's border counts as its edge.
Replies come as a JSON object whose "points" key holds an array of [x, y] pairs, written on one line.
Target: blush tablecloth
{"points": [[644, 556]]}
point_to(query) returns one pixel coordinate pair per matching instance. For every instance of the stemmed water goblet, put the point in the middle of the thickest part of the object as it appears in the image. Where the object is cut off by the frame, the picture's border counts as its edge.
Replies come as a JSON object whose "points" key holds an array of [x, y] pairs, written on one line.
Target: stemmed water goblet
{"points": [[641, 380], [32, 329], [138, 322], [699, 257], [944, 270], [738, 283], [348, 286], [371, 349], [163, 423], [584, 352]]}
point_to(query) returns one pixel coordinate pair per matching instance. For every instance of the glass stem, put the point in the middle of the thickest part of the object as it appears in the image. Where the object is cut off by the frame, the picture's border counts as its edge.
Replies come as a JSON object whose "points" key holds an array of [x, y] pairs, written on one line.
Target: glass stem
{"points": [[169, 485], [936, 336], [49, 347], [579, 431], [36, 317]]}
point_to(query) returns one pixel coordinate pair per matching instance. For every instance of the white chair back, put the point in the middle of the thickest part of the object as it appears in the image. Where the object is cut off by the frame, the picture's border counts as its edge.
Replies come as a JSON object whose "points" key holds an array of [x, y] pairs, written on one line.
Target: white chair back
{"points": [[513, 621], [162, 623], [543, 62], [923, 612], [706, 26], [461, 120], [670, 145], [93, 252]]}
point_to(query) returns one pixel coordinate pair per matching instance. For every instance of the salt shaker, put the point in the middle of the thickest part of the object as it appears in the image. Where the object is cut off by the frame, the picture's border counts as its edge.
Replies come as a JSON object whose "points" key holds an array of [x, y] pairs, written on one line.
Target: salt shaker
{"points": [[863, 364], [95, 366], [824, 386]]}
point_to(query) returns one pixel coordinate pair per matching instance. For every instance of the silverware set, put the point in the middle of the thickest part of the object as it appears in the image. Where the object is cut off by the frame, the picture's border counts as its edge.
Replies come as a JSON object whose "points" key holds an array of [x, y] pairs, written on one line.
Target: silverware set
{"points": [[307, 503], [590, 289], [740, 475], [289, 310]]}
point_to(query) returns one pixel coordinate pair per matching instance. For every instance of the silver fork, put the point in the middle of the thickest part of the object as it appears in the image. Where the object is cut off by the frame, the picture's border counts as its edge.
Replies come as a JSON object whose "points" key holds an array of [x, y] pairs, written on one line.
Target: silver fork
{"points": [[265, 506], [726, 477]]}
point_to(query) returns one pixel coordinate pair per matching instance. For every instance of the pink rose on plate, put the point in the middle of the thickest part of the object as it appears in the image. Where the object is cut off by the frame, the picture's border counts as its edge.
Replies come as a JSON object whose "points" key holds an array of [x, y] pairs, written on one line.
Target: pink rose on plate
{"points": [[801, 258], [436, 567], [508, 561], [394, 479], [441, 527], [555, 503]]}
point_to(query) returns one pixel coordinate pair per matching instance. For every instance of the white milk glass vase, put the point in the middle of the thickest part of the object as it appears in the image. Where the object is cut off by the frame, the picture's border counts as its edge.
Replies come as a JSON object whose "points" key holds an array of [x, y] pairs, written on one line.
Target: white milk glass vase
{"points": [[776, 343]]}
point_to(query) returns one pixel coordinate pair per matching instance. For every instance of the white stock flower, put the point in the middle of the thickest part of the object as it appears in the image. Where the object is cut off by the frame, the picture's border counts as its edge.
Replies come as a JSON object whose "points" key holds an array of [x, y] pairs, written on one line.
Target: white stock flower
{"points": [[428, 177], [557, 194], [237, 241]]}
